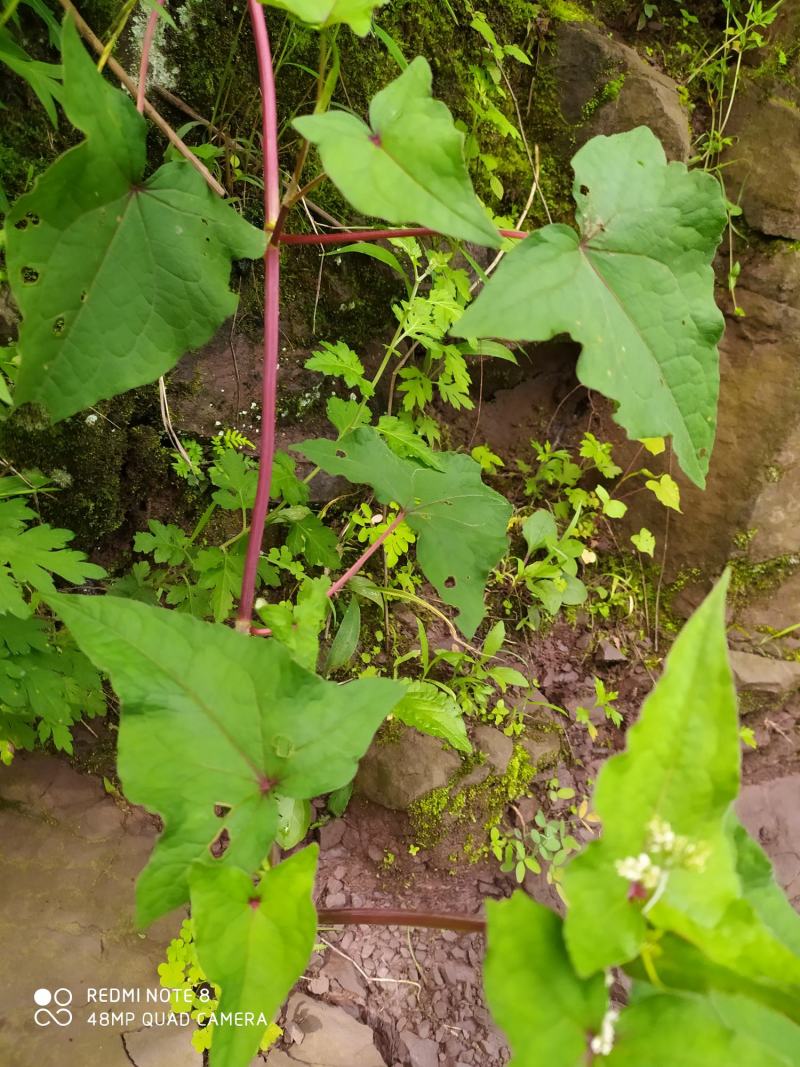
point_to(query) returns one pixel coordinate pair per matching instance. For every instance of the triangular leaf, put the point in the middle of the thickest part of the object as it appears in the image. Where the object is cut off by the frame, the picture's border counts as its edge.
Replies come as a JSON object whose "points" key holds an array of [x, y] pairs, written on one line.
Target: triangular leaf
{"points": [[115, 277], [460, 523], [357, 14], [254, 942], [548, 1013], [408, 164], [214, 725], [635, 288]]}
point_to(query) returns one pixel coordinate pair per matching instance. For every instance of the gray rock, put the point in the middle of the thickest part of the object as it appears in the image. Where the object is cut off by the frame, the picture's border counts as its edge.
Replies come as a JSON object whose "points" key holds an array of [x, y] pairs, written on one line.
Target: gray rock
{"points": [[762, 674], [771, 813], [604, 87], [422, 1052], [609, 653], [544, 749], [498, 750], [69, 861], [156, 1046], [396, 773], [330, 1037], [763, 117]]}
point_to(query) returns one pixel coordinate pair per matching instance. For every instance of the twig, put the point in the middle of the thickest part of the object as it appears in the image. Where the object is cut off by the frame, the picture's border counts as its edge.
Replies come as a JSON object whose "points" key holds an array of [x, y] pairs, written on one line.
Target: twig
{"points": [[430, 920], [369, 977], [88, 34], [340, 583], [372, 235]]}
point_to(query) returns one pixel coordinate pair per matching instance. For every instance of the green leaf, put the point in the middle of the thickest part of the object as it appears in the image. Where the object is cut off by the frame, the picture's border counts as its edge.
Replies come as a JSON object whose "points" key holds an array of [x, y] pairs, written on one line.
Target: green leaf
{"points": [[401, 437], [635, 287], [298, 625], [254, 942], [547, 1012], [357, 14], [383, 255], [339, 361], [285, 483], [408, 164], [666, 490], [315, 541], [644, 541], [681, 766], [346, 415], [35, 553], [539, 529], [294, 818], [239, 717], [345, 642], [664, 1030], [432, 711], [166, 543], [116, 277], [236, 479], [43, 78], [614, 509], [460, 523]]}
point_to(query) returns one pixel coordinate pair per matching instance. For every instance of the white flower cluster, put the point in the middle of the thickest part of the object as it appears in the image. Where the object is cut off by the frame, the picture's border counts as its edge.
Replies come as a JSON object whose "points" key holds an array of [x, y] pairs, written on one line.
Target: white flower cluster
{"points": [[664, 850], [603, 1043]]}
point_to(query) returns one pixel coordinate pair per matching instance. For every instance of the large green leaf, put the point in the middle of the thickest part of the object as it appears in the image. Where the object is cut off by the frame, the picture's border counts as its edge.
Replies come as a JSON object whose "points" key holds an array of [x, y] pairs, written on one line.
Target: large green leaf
{"points": [[357, 14], [115, 277], [460, 523], [408, 164], [547, 1012], [254, 942], [666, 1030], [682, 767], [678, 777], [432, 711], [214, 725], [635, 287]]}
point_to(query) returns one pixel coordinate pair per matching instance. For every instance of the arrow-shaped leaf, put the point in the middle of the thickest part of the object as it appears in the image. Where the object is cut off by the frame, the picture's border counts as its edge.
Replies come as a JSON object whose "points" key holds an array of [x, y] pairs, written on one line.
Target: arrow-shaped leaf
{"points": [[635, 287], [460, 522], [357, 14], [214, 725], [115, 277], [254, 942], [408, 164]]}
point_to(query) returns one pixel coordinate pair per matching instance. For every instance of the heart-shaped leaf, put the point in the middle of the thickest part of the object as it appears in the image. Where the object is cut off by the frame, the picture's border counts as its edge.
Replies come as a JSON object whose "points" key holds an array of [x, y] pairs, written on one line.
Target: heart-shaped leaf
{"points": [[214, 726], [460, 522], [254, 942], [635, 287], [357, 14], [408, 164], [115, 277]]}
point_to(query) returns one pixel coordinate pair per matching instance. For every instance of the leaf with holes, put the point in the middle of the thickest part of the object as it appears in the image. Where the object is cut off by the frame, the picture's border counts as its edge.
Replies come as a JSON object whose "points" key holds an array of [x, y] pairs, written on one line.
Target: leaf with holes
{"points": [[460, 522], [408, 164], [357, 14], [116, 277], [546, 1010], [635, 287], [239, 718], [254, 942]]}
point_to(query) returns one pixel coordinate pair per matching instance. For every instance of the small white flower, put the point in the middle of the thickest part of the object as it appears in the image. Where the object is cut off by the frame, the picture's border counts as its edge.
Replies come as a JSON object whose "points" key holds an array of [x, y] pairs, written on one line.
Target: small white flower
{"points": [[603, 1043], [640, 869], [91, 420]]}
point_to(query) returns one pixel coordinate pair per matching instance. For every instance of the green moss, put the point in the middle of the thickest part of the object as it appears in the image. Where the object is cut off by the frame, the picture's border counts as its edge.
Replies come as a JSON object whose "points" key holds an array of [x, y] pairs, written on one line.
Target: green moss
{"points": [[749, 579], [566, 11]]}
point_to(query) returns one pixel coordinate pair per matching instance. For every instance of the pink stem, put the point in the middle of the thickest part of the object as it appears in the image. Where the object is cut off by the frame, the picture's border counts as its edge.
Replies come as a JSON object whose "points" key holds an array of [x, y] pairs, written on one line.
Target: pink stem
{"points": [[147, 44], [272, 265], [340, 583], [371, 235]]}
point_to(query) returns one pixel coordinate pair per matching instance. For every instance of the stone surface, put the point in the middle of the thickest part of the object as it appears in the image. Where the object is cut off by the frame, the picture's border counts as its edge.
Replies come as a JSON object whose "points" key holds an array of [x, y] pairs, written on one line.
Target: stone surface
{"points": [[396, 773], [498, 750], [588, 64], [422, 1051], [765, 118], [771, 812], [543, 749], [763, 674], [330, 1037], [68, 863]]}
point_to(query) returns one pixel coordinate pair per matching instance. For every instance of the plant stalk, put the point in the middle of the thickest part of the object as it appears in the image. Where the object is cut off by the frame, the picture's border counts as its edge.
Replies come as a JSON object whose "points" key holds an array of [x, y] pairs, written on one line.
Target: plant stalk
{"points": [[372, 235], [147, 44], [340, 583], [434, 920], [272, 266]]}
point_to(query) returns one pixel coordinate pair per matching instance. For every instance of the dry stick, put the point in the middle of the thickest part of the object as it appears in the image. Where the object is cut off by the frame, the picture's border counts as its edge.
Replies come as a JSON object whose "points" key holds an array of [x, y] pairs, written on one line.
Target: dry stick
{"points": [[431, 920], [272, 266], [88, 34]]}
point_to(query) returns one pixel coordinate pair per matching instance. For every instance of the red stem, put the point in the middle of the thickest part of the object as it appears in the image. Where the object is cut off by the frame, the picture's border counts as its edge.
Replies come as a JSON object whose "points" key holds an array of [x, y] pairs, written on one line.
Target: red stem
{"points": [[345, 236], [340, 583], [272, 198], [437, 920], [147, 44]]}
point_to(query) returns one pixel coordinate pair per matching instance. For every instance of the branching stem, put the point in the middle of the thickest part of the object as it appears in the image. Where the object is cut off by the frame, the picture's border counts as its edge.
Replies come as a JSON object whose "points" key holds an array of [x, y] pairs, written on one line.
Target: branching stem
{"points": [[340, 583], [372, 235]]}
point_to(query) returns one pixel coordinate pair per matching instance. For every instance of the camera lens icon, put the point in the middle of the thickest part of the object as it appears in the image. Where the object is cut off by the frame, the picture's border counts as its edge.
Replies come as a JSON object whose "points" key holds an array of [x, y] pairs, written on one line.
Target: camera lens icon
{"points": [[60, 1015]]}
